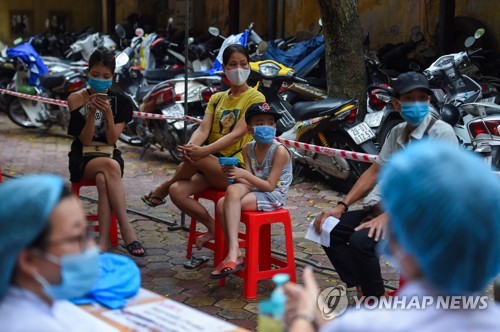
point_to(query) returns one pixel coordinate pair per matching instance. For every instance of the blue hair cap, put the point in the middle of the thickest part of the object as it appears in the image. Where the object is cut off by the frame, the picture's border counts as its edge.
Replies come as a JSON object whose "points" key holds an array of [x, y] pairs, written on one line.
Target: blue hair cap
{"points": [[25, 206], [444, 207]]}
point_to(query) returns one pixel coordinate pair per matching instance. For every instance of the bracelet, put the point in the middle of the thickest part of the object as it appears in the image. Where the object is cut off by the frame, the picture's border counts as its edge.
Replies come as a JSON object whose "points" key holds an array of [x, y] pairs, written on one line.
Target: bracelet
{"points": [[344, 204], [308, 318]]}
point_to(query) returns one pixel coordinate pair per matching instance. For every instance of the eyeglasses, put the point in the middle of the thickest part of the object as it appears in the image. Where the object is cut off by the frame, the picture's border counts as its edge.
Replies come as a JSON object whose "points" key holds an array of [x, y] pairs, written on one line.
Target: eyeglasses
{"points": [[83, 239]]}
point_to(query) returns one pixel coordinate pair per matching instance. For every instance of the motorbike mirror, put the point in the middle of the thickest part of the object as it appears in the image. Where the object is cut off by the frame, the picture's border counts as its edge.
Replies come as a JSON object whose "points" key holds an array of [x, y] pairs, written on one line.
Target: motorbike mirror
{"points": [[18, 41], [213, 31], [479, 33], [417, 37], [120, 31], [469, 42], [320, 22], [190, 40], [121, 59], [139, 32]]}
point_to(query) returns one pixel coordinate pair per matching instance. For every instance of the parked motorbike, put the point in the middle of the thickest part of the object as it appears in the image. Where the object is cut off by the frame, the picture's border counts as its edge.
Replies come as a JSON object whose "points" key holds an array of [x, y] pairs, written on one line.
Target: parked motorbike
{"points": [[484, 130], [329, 122], [56, 84], [84, 47]]}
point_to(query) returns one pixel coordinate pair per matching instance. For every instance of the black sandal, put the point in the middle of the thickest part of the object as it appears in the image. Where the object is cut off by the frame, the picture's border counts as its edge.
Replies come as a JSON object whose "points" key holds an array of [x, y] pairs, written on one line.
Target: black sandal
{"points": [[147, 199], [135, 245], [195, 262]]}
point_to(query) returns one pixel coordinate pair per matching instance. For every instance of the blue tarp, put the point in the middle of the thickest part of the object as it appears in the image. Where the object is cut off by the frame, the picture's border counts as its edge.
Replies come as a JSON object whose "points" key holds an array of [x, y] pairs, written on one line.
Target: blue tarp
{"points": [[301, 56], [29, 55]]}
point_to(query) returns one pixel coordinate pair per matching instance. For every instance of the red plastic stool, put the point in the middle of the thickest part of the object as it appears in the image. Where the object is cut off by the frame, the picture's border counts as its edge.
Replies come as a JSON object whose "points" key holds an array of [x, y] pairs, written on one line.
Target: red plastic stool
{"points": [[113, 230], [402, 281], [217, 245], [258, 258]]}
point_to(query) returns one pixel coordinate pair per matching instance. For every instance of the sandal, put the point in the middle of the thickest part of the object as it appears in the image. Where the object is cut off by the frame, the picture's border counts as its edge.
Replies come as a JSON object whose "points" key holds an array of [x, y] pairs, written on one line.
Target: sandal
{"points": [[226, 269], [134, 245], [147, 199]]}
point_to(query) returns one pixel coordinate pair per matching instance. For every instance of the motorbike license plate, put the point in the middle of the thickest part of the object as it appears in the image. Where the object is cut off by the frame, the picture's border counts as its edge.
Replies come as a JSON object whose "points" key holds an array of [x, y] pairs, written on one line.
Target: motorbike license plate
{"points": [[361, 133], [175, 110], [373, 119], [488, 100]]}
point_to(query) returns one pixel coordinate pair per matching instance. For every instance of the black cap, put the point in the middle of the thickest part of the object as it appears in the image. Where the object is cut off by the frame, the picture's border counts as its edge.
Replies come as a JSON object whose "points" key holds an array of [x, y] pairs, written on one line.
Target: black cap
{"points": [[261, 108], [409, 81]]}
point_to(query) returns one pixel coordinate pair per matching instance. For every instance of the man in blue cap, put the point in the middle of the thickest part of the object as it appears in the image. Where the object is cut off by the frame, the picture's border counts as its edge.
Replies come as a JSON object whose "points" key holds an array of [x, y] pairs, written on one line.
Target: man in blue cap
{"points": [[353, 240], [443, 206], [46, 254]]}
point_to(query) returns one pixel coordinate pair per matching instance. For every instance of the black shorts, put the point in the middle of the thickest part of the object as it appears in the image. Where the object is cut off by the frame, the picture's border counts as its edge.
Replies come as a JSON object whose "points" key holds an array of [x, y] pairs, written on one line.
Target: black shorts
{"points": [[77, 164]]}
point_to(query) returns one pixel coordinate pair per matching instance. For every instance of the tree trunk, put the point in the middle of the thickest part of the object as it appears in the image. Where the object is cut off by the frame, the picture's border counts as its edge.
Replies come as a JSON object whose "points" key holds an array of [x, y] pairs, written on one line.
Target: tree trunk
{"points": [[346, 73]]}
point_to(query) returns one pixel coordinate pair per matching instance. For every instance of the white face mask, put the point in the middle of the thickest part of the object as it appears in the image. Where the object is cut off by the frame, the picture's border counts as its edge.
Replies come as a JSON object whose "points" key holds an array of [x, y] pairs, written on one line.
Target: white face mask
{"points": [[237, 76]]}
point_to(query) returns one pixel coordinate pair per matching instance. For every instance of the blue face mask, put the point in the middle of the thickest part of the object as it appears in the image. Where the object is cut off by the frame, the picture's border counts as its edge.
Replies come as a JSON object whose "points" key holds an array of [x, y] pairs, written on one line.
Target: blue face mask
{"points": [[79, 273], [414, 112], [264, 134], [99, 85]]}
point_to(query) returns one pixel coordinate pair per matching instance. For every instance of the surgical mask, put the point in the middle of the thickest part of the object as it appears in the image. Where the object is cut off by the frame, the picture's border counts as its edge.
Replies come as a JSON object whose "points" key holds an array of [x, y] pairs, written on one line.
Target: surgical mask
{"points": [[237, 76], [264, 134], [99, 85], [414, 112], [79, 272]]}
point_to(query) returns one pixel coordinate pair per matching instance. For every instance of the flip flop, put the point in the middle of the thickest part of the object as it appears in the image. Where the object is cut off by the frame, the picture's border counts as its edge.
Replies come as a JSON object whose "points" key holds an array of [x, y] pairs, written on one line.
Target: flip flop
{"points": [[147, 199], [134, 245], [229, 267], [195, 262]]}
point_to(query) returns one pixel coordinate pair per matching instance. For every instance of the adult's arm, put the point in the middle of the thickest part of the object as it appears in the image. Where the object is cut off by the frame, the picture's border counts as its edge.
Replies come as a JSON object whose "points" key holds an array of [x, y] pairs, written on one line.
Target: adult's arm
{"points": [[75, 101], [365, 183]]}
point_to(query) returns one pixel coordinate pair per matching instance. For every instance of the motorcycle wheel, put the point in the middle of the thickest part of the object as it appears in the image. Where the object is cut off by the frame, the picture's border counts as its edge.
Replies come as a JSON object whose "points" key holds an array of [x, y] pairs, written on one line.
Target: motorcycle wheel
{"points": [[385, 130], [16, 113], [342, 141]]}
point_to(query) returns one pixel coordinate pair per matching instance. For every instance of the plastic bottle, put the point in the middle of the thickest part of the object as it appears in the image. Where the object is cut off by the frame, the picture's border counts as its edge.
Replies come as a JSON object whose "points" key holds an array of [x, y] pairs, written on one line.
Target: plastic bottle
{"points": [[278, 297]]}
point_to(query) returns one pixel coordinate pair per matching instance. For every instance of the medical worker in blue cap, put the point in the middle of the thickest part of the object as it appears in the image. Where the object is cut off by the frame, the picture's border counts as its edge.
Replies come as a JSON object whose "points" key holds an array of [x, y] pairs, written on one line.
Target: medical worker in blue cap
{"points": [[443, 206], [46, 254], [353, 240]]}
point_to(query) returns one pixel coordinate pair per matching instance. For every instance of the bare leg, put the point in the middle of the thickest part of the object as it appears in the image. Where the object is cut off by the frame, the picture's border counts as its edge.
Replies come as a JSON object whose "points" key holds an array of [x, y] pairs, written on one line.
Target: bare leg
{"points": [[181, 191], [103, 211], [183, 172], [116, 193], [238, 197]]}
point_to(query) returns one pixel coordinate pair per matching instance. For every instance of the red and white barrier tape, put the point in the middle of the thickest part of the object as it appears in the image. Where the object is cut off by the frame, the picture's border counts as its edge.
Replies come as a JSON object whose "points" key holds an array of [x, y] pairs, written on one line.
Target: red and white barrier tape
{"points": [[37, 98], [364, 157]]}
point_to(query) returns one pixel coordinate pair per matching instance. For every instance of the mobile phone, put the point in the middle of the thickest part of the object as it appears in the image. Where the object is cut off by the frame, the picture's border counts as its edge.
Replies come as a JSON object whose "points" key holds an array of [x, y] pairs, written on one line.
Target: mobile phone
{"points": [[102, 95]]}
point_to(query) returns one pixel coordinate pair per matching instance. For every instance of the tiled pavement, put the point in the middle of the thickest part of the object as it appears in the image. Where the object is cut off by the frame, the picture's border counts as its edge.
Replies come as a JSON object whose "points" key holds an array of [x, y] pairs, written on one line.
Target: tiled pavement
{"points": [[24, 151]]}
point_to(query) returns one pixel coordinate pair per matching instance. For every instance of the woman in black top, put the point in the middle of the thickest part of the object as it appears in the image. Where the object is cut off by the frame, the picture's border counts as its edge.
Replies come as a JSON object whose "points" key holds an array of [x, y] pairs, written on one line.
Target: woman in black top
{"points": [[98, 116]]}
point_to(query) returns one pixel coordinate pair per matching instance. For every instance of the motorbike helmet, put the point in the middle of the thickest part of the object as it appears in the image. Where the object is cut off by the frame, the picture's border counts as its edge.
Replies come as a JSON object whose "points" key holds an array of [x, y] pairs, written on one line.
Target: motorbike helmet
{"points": [[450, 114]]}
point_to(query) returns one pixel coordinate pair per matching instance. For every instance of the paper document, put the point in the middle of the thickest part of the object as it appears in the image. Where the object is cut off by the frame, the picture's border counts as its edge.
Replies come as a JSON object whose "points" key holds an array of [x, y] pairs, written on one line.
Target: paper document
{"points": [[167, 315], [324, 237], [80, 320]]}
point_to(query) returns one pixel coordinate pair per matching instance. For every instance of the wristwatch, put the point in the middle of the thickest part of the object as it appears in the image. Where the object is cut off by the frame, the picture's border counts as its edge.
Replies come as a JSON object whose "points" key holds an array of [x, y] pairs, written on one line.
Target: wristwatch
{"points": [[344, 204]]}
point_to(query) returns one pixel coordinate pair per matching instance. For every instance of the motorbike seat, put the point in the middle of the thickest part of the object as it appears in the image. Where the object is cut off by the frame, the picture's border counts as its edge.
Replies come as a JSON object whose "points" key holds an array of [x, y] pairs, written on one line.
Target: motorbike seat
{"points": [[143, 90], [304, 110], [50, 81], [161, 74]]}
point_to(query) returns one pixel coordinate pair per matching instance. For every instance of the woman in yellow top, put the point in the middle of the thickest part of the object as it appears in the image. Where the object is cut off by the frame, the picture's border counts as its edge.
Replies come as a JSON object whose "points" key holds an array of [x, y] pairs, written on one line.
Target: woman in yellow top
{"points": [[200, 169]]}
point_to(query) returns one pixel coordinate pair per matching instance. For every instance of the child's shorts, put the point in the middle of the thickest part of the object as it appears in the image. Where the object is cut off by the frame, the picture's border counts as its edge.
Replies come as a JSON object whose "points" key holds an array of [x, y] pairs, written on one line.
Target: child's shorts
{"points": [[269, 201]]}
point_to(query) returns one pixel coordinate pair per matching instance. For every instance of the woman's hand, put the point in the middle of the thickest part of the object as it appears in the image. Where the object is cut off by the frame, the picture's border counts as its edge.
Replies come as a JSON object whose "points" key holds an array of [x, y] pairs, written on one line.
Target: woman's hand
{"points": [[100, 103], [193, 152]]}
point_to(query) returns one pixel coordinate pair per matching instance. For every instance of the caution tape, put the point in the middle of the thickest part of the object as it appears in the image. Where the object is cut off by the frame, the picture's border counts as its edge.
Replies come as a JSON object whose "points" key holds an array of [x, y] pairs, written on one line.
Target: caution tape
{"points": [[37, 98], [364, 157]]}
